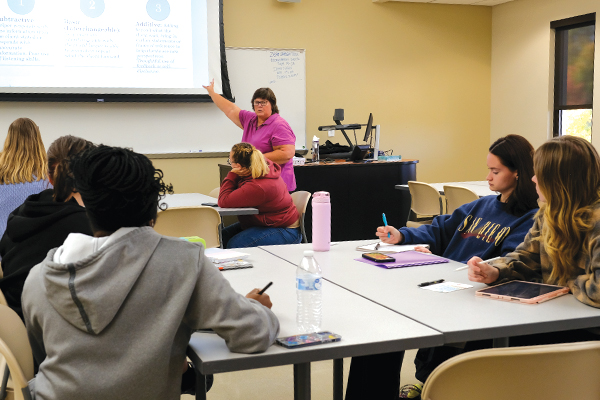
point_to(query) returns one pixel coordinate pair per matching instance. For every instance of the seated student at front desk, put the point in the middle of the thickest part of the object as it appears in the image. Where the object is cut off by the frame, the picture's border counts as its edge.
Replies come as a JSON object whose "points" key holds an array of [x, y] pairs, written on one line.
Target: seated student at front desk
{"points": [[255, 181], [489, 227]]}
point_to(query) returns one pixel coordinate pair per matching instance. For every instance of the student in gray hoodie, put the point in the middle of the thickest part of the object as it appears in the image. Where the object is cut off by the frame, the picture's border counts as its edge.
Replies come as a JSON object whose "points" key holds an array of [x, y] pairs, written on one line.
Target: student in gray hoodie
{"points": [[110, 316]]}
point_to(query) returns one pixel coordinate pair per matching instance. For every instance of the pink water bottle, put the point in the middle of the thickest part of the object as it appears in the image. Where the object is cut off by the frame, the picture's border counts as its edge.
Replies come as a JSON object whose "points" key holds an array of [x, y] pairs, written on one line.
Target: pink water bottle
{"points": [[321, 221]]}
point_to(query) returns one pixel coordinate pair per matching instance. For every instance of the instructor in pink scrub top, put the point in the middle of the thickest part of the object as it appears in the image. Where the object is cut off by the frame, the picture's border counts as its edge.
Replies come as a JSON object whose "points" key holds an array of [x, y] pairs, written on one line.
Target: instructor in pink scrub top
{"points": [[264, 128]]}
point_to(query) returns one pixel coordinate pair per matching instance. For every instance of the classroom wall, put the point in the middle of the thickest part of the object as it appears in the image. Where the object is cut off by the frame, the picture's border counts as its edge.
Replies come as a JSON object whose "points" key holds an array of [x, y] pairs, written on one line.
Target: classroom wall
{"points": [[523, 66], [423, 70]]}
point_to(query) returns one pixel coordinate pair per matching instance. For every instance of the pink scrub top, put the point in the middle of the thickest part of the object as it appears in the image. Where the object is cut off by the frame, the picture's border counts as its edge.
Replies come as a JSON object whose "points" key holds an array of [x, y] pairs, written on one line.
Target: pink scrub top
{"points": [[275, 131]]}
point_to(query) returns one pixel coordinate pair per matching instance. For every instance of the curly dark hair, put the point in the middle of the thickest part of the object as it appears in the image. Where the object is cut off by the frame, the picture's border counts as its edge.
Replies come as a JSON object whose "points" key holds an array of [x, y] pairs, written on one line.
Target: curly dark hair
{"points": [[119, 188]]}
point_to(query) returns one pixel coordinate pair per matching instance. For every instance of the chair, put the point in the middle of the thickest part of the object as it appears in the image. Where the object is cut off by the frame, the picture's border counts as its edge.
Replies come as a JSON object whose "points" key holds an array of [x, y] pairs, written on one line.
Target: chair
{"points": [[556, 371], [201, 221], [425, 201], [16, 350], [215, 192], [456, 196], [300, 199]]}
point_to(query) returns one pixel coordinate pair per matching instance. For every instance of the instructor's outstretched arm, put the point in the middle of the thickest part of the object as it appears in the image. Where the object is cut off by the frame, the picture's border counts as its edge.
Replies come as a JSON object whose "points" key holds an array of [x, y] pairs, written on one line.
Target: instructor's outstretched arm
{"points": [[229, 109]]}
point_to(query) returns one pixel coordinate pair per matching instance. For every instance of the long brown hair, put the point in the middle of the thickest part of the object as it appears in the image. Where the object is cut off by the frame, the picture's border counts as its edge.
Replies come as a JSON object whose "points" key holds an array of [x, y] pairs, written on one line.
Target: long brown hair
{"points": [[568, 174], [60, 153], [250, 157], [516, 153], [23, 158]]}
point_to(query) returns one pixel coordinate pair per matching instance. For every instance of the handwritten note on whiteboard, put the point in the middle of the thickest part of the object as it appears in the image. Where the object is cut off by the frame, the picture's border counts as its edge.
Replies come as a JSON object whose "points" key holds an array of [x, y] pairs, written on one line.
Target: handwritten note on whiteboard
{"points": [[286, 65]]}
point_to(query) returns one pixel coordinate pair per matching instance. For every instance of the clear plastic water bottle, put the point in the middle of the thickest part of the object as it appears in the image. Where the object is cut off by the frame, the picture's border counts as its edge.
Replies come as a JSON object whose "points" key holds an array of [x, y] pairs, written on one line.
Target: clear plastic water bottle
{"points": [[309, 293]]}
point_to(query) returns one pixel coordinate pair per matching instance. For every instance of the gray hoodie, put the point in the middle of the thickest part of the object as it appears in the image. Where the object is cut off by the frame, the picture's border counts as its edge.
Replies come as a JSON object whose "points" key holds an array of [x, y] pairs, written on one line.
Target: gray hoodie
{"points": [[116, 323]]}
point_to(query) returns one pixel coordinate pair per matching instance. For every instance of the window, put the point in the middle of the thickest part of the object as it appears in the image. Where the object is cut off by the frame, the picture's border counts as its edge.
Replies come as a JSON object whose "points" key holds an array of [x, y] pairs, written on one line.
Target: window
{"points": [[574, 75]]}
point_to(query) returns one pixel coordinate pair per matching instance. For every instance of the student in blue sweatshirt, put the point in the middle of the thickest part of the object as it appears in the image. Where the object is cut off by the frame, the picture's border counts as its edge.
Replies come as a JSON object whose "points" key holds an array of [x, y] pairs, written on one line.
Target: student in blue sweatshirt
{"points": [[489, 227]]}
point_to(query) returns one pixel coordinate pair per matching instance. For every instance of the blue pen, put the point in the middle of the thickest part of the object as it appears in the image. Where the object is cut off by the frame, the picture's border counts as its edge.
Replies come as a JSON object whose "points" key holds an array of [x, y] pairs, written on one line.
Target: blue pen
{"points": [[385, 221]]}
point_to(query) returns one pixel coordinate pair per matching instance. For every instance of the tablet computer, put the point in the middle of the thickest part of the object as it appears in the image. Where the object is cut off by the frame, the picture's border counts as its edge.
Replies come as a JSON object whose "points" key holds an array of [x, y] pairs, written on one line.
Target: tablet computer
{"points": [[523, 292]]}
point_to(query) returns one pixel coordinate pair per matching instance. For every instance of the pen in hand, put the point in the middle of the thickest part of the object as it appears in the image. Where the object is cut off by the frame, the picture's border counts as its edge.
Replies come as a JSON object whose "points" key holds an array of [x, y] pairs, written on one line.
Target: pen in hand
{"points": [[480, 262], [385, 222], [265, 288]]}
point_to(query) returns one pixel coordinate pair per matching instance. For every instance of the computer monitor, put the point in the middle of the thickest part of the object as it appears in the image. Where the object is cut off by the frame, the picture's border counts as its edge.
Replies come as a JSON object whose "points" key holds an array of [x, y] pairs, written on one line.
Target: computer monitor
{"points": [[369, 127]]}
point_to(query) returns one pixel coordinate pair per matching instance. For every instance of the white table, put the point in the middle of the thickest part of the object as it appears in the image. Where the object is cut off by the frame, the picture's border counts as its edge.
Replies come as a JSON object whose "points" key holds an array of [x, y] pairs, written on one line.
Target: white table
{"points": [[460, 315], [196, 199], [365, 327], [480, 187]]}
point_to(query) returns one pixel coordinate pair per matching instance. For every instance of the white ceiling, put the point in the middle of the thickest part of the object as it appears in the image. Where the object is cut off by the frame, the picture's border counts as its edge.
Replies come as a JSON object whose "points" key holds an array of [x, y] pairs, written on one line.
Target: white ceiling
{"points": [[471, 2]]}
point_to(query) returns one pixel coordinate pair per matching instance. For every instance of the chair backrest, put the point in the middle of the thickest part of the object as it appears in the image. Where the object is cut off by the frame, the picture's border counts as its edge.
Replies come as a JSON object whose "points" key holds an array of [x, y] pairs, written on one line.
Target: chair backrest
{"points": [[16, 350], [456, 196], [425, 199], [190, 221], [556, 371], [300, 199], [215, 192]]}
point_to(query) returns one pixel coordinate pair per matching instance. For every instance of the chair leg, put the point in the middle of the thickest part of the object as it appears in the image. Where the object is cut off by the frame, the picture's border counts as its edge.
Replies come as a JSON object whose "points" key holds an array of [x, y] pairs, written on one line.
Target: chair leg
{"points": [[4, 383]]}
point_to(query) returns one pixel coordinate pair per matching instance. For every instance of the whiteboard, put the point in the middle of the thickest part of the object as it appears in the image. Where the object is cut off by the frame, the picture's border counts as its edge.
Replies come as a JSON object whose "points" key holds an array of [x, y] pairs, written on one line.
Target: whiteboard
{"points": [[177, 128]]}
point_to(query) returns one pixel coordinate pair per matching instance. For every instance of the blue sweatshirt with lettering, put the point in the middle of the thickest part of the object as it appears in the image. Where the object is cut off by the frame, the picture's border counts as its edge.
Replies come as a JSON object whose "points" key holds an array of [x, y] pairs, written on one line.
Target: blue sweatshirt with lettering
{"points": [[481, 228]]}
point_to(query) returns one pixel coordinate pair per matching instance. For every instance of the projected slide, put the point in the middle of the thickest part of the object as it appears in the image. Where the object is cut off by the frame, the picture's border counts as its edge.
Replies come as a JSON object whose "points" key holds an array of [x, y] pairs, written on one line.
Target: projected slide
{"points": [[118, 44]]}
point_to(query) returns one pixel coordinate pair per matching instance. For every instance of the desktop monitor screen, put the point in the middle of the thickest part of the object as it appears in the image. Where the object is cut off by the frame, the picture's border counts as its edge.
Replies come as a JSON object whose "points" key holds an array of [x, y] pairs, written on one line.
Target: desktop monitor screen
{"points": [[369, 127]]}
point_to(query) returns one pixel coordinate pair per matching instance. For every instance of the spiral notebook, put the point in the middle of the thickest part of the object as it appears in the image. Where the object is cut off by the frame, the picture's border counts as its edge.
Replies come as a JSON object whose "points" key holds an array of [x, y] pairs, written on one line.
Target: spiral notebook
{"points": [[407, 259]]}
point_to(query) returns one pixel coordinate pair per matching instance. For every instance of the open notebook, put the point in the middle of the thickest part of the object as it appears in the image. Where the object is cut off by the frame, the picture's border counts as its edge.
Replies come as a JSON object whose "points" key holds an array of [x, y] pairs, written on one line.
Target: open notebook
{"points": [[407, 259], [389, 248]]}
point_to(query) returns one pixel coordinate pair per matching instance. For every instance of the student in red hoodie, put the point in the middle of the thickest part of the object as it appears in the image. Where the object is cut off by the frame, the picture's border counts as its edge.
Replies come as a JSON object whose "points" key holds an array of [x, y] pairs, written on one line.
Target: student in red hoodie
{"points": [[255, 181]]}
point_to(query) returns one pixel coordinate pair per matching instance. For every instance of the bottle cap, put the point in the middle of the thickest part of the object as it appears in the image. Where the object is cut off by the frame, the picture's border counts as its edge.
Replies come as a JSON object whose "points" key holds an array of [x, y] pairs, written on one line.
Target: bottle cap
{"points": [[309, 253], [321, 197]]}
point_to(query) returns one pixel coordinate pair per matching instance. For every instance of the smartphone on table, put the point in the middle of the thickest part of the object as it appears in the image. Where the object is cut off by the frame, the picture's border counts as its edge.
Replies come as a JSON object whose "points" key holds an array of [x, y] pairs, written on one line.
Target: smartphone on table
{"points": [[378, 257], [308, 339]]}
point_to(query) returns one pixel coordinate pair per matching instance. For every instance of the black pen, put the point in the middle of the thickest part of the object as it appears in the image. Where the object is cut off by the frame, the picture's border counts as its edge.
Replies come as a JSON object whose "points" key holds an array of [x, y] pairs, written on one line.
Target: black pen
{"points": [[265, 288], [430, 283]]}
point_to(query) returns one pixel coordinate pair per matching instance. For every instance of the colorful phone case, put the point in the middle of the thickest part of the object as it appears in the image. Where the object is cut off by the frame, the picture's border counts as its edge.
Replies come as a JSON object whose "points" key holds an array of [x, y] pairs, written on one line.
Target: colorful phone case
{"points": [[378, 257], [309, 339]]}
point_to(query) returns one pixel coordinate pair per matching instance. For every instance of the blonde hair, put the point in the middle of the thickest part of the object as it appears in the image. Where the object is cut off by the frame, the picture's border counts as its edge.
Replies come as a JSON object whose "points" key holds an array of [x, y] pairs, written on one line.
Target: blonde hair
{"points": [[23, 158], [250, 157], [568, 174]]}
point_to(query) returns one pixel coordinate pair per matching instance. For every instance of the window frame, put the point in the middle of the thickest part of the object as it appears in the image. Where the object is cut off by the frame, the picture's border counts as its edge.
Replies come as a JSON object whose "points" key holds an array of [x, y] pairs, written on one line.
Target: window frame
{"points": [[560, 65]]}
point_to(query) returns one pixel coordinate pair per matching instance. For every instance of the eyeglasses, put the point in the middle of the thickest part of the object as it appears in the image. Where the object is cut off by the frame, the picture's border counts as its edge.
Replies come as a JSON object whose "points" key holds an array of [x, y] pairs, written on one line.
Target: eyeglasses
{"points": [[261, 103], [229, 161]]}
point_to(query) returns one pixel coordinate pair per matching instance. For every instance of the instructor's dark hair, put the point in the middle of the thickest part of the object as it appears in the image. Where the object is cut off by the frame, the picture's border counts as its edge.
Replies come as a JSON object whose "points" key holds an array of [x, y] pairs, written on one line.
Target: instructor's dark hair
{"points": [[516, 153], [267, 94], [119, 188]]}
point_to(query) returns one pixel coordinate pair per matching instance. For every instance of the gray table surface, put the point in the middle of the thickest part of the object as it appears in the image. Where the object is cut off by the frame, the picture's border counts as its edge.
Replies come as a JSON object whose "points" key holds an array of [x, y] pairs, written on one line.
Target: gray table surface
{"points": [[365, 327], [460, 315], [196, 199]]}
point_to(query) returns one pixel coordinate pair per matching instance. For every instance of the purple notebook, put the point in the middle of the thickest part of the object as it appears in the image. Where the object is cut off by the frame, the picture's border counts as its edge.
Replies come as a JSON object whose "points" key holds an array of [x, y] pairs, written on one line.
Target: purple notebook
{"points": [[407, 259]]}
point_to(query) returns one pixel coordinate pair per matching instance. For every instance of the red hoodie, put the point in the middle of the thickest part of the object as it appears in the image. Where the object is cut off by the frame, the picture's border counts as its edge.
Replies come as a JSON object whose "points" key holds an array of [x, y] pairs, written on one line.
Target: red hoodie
{"points": [[269, 194]]}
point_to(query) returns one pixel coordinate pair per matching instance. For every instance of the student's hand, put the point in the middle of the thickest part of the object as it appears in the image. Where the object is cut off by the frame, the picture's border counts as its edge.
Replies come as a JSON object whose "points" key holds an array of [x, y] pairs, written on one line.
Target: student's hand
{"points": [[423, 249], [261, 298], [483, 272], [241, 171], [395, 235], [211, 87]]}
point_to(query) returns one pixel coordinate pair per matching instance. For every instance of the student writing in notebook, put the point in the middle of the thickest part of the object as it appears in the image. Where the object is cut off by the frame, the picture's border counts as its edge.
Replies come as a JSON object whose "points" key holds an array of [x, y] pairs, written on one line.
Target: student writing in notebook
{"points": [[489, 227]]}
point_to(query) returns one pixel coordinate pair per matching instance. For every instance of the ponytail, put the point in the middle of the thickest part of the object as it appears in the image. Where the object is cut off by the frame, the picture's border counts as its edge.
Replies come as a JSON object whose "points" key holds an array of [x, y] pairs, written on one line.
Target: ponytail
{"points": [[59, 156], [250, 157]]}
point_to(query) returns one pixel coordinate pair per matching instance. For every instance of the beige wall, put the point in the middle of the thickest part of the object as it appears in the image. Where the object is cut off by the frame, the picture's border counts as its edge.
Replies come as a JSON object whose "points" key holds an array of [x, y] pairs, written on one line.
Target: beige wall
{"points": [[523, 66], [423, 70]]}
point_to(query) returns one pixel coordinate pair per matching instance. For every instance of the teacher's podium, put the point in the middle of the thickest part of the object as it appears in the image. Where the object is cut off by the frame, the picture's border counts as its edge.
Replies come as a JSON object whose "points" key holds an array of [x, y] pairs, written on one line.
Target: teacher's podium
{"points": [[360, 193]]}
